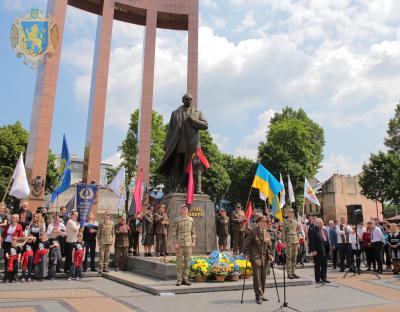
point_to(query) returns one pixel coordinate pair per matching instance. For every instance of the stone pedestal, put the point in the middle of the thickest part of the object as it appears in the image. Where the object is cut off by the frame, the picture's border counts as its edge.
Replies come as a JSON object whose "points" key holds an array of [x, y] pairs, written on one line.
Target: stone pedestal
{"points": [[203, 213]]}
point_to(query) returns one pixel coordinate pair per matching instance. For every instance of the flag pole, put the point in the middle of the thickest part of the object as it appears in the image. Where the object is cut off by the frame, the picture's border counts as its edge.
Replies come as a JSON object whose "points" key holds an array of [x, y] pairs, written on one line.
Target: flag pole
{"points": [[7, 189], [304, 203]]}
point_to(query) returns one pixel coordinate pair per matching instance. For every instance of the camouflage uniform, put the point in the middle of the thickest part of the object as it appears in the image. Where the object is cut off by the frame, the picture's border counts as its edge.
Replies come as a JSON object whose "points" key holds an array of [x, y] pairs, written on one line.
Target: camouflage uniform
{"points": [[290, 238], [184, 236], [105, 236]]}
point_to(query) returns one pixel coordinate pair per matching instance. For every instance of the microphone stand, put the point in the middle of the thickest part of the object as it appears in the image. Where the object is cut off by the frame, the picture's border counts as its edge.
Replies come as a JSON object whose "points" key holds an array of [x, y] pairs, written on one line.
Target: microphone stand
{"points": [[285, 303]]}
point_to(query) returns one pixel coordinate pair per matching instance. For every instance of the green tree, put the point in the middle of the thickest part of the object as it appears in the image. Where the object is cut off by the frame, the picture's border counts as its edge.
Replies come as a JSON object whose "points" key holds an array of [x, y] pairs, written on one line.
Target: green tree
{"points": [[129, 147], [380, 179], [241, 171], [392, 141], [13, 142], [294, 145], [377, 176], [216, 179], [52, 173]]}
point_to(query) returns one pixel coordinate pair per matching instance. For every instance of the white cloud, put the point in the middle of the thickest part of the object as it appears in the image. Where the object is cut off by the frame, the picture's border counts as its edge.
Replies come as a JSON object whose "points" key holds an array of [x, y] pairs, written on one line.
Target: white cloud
{"points": [[113, 160], [339, 60], [220, 140], [341, 164], [248, 21], [211, 4], [249, 145]]}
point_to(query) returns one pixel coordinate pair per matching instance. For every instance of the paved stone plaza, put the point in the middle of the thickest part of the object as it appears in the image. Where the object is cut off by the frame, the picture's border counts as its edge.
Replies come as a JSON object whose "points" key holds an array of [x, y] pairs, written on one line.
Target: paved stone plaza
{"points": [[97, 294]]}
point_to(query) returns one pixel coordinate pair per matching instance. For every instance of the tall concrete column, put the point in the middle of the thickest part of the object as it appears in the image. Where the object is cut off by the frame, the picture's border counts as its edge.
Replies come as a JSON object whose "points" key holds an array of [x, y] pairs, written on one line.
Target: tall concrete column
{"points": [[193, 46], [43, 106], [98, 94], [146, 106]]}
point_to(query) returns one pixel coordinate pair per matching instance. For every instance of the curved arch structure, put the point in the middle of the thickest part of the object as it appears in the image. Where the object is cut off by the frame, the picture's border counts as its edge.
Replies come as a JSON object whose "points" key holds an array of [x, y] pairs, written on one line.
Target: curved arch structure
{"points": [[169, 14]]}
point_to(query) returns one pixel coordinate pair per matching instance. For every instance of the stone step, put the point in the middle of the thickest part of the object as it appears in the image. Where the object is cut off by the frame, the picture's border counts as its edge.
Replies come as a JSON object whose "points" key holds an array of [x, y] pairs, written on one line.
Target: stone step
{"points": [[160, 287]]}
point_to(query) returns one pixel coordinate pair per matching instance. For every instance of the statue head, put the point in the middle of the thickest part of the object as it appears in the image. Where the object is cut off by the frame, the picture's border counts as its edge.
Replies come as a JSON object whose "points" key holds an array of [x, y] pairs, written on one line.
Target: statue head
{"points": [[187, 100]]}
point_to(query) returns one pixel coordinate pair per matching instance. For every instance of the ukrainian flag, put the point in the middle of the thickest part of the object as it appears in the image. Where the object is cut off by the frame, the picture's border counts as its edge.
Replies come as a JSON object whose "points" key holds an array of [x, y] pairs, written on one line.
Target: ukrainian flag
{"points": [[266, 183]]}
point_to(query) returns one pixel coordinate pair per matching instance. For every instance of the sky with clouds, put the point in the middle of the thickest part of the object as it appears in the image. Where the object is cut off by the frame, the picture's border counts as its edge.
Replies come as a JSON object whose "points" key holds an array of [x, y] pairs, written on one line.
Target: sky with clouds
{"points": [[338, 60]]}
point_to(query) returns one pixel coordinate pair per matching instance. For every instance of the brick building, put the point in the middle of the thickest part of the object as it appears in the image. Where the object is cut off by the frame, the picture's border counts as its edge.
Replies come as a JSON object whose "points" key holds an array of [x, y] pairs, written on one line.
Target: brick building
{"points": [[339, 196]]}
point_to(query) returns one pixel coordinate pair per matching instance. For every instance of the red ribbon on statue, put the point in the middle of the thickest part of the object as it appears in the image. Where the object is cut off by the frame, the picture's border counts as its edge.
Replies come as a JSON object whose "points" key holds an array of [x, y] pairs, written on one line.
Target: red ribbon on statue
{"points": [[189, 170]]}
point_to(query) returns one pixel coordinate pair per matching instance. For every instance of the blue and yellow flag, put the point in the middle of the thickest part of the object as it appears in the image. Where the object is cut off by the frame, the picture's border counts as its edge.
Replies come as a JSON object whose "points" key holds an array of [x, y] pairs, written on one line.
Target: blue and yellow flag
{"points": [[64, 180], [267, 184]]}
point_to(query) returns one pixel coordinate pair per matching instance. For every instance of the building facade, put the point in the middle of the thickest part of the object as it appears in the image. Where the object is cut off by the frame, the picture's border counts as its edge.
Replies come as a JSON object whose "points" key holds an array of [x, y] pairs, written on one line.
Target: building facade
{"points": [[341, 195], [77, 170]]}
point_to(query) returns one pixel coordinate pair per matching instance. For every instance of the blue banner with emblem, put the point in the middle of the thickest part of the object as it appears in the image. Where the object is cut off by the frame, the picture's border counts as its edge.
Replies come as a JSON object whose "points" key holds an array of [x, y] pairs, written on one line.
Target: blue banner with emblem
{"points": [[85, 197]]}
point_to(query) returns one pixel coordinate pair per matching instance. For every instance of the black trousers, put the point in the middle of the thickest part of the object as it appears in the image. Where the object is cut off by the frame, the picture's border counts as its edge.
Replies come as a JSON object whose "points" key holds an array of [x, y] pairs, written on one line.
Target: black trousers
{"points": [[90, 252], [378, 247], [6, 249], [388, 260], [68, 256], [320, 265], [345, 253], [369, 255]]}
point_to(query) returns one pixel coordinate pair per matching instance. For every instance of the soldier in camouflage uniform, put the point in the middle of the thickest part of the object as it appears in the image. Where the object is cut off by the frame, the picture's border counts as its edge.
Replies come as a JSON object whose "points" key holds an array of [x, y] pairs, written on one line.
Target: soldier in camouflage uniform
{"points": [[105, 238], [290, 238], [184, 237]]}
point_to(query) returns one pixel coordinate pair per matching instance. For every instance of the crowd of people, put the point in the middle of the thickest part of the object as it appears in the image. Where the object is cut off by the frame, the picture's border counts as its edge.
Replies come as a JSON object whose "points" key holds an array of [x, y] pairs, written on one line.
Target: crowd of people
{"points": [[39, 246], [346, 245]]}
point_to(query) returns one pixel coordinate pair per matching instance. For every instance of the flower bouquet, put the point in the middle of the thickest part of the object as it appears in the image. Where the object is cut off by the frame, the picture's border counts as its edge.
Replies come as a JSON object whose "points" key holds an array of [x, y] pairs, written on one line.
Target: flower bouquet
{"points": [[199, 269], [235, 272], [220, 270], [244, 268]]}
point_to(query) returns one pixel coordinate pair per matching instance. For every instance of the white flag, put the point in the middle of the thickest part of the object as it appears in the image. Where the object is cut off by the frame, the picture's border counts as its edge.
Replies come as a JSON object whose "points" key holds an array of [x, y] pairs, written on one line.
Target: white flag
{"points": [[20, 187], [309, 193], [118, 187], [282, 193], [292, 199]]}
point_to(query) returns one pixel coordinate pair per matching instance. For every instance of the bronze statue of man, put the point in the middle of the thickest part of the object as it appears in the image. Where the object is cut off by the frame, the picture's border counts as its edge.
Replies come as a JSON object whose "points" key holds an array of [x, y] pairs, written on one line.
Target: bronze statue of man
{"points": [[182, 142]]}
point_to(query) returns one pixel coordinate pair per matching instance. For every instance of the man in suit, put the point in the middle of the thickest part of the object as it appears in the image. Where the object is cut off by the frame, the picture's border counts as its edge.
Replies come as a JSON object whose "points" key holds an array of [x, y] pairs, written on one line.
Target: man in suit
{"points": [[318, 246]]}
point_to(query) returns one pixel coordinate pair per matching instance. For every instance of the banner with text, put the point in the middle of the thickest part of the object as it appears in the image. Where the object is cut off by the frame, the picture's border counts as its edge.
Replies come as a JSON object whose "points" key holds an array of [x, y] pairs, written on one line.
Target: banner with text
{"points": [[85, 196]]}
